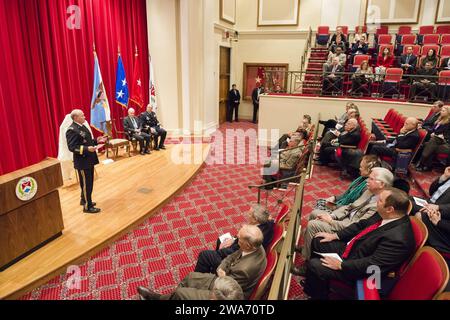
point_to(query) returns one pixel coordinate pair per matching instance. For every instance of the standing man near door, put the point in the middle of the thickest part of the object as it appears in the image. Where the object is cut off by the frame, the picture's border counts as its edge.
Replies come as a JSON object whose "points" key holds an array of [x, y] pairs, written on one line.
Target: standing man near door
{"points": [[255, 97], [234, 99]]}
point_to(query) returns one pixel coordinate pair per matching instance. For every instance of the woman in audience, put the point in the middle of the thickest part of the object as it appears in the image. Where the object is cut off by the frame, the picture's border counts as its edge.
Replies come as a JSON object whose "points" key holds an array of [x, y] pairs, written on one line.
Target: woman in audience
{"points": [[356, 188], [384, 61], [439, 141], [362, 78], [431, 57]]}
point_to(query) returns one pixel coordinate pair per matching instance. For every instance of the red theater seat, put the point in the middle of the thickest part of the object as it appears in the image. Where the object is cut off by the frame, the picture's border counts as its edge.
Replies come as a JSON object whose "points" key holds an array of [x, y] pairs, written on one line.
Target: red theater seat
{"points": [[282, 214], [278, 230], [428, 266], [431, 39], [263, 282]]}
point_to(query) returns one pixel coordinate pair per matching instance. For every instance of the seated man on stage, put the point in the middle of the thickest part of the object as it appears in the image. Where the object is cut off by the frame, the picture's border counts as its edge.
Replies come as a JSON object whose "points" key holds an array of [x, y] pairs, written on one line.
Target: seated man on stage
{"points": [[209, 260], [245, 266], [363, 208], [385, 240], [408, 138], [133, 127], [150, 122]]}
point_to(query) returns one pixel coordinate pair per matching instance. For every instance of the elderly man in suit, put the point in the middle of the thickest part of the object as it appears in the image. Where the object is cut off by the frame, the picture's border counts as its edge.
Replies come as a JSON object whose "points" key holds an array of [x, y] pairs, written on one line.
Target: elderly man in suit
{"points": [[363, 208], [349, 137], [385, 240], [245, 266], [332, 78], [209, 260], [133, 127], [407, 139]]}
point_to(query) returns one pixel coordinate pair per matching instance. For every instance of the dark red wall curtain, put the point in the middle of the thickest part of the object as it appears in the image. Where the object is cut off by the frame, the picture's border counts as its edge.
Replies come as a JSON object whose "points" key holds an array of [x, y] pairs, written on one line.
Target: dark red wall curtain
{"points": [[46, 69]]}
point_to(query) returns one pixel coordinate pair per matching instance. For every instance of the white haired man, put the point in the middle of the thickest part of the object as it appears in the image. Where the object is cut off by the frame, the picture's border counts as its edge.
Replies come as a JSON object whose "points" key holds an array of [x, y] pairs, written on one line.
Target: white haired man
{"points": [[83, 146], [245, 266], [133, 127], [363, 208], [209, 260]]}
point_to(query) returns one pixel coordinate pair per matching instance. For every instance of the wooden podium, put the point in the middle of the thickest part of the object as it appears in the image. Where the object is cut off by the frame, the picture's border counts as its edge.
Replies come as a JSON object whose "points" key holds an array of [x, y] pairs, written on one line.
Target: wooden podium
{"points": [[30, 210]]}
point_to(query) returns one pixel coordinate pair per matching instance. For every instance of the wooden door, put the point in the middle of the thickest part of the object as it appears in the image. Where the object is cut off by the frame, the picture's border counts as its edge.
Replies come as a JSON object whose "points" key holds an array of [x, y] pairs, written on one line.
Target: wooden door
{"points": [[224, 82]]}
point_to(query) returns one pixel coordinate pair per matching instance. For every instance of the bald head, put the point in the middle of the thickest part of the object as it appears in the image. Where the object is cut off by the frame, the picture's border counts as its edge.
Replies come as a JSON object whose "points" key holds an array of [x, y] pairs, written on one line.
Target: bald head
{"points": [[77, 115], [149, 108], [351, 124], [131, 112], [411, 124], [250, 238]]}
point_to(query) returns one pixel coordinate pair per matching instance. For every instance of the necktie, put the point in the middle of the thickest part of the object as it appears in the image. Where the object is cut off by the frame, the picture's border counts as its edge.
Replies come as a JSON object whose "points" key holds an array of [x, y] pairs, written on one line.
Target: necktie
{"points": [[359, 236], [134, 123], [407, 59]]}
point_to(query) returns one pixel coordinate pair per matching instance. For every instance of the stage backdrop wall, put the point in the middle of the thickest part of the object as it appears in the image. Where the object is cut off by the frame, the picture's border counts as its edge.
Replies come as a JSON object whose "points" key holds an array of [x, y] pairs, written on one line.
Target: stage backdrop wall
{"points": [[47, 67]]}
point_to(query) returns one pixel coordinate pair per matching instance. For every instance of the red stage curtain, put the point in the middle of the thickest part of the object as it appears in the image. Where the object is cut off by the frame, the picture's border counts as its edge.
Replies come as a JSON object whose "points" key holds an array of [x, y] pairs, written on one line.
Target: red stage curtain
{"points": [[47, 68]]}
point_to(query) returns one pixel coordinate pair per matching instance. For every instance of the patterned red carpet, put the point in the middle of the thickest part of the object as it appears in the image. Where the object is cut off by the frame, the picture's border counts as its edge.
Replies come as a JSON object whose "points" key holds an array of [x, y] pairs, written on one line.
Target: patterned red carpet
{"points": [[161, 251]]}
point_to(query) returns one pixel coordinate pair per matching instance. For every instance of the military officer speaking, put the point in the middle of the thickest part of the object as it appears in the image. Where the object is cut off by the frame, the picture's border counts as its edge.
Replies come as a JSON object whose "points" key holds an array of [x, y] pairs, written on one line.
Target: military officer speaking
{"points": [[84, 148]]}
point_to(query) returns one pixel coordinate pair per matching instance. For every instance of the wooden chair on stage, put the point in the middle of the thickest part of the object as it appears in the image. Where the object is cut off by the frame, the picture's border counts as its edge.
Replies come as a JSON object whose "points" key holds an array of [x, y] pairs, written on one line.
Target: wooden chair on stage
{"points": [[114, 143]]}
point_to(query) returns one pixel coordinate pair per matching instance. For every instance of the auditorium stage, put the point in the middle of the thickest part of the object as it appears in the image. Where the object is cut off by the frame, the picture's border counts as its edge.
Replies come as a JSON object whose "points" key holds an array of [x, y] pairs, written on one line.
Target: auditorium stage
{"points": [[128, 191]]}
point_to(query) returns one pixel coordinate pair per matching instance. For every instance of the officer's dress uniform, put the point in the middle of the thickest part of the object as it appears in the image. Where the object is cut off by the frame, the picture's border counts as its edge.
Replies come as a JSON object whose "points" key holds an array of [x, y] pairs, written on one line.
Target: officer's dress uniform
{"points": [[79, 138], [149, 120]]}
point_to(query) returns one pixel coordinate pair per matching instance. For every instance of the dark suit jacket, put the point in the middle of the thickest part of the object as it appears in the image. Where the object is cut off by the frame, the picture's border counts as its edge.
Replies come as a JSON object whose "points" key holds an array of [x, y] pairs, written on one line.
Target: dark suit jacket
{"points": [[387, 247], [351, 138], [128, 125], [428, 124], [245, 270], [443, 201], [255, 95], [427, 74], [408, 141], [79, 138], [412, 60], [444, 129], [328, 68], [232, 97], [363, 49], [333, 40]]}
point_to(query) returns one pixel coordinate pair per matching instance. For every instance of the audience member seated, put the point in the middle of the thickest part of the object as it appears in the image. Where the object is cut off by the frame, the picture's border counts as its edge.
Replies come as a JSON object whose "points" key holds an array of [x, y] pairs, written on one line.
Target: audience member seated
{"points": [[356, 188], [359, 34], [408, 138], [209, 260], [436, 214], [133, 127], [362, 208], [429, 123], [151, 123], [350, 137], [245, 266], [362, 79], [360, 47], [287, 162], [408, 61], [425, 82], [384, 61], [431, 57], [338, 54], [445, 64], [438, 143], [304, 129], [337, 123], [385, 240], [332, 78], [338, 40]]}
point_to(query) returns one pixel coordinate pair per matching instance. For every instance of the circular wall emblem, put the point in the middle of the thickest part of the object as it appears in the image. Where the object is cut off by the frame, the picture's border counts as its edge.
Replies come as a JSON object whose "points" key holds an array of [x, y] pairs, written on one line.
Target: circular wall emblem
{"points": [[26, 188]]}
